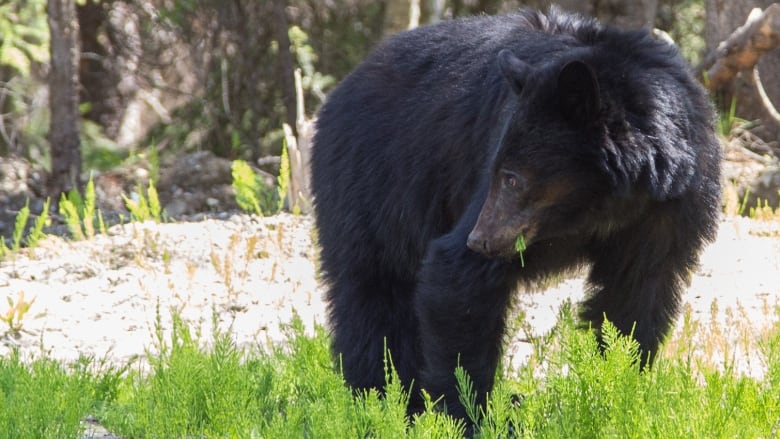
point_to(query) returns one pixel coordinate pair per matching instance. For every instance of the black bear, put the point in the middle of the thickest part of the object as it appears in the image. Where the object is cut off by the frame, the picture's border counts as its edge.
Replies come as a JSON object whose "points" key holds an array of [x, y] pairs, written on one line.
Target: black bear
{"points": [[451, 141]]}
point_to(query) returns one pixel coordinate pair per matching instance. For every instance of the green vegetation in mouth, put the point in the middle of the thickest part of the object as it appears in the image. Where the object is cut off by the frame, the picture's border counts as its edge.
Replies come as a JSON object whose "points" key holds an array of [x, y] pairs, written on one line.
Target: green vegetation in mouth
{"points": [[520, 247]]}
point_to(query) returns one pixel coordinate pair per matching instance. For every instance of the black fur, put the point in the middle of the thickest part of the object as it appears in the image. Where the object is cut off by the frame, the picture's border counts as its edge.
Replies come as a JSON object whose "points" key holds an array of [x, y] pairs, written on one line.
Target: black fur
{"points": [[436, 152]]}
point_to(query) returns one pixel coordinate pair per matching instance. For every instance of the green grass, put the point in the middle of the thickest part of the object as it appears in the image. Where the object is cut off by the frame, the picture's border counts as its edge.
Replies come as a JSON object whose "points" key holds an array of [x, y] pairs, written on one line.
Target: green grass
{"points": [[41, 398], [585, 395], [520, 248], [566, 390]]}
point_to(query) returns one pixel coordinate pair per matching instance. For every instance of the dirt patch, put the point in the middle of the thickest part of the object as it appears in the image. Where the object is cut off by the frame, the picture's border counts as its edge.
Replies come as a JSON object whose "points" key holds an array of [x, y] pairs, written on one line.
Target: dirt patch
{"points": [[101, 297]]}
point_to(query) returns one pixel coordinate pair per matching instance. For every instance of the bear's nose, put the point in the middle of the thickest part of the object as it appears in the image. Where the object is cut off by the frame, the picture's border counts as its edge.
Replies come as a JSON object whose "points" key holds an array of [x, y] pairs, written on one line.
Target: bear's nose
{"points": [[477, 243]]}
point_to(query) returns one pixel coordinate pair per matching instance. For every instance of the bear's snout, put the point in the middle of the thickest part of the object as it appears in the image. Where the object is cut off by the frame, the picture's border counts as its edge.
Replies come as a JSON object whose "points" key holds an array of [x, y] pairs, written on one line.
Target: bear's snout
{"points": [[476, 243]]}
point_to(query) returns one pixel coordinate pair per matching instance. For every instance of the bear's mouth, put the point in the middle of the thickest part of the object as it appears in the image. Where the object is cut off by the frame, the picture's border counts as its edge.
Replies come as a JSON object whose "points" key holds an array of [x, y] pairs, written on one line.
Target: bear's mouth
{"points": [[502, 246]]}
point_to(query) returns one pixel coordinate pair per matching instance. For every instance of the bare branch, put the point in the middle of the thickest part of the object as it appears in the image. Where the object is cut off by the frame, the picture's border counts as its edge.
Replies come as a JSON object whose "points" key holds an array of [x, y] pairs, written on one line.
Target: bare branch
{"points": [[770, 108], [299, 153], [742, 50]]}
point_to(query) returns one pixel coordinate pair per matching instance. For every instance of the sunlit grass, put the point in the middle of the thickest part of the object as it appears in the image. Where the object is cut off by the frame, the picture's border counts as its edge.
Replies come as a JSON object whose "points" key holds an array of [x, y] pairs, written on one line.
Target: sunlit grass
{"points": [[568, 389]]}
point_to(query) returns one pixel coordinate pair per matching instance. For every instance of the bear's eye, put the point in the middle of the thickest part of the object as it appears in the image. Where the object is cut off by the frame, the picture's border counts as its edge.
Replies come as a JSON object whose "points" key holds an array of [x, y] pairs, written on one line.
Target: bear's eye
{"points": [[511, 180]]}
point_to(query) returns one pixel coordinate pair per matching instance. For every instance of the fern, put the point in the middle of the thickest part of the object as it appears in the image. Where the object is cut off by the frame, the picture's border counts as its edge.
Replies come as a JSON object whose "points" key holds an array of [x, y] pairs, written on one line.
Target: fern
{"points": [[19, 225], [36, 233], [466, 394], [155, 209], [283, 181], [246, 187], [146, 207], [69, 210], [520, 248], [88, 213]]}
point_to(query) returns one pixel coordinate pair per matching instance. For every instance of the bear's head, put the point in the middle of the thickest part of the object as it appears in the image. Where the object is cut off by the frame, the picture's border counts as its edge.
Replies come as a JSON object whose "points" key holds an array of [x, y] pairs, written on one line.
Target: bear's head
{"points": [[545, 180]]}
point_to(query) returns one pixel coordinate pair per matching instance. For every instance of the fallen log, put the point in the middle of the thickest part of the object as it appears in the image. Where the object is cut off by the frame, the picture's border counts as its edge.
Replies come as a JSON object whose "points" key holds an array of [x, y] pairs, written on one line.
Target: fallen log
{"points": [[742, 49]]}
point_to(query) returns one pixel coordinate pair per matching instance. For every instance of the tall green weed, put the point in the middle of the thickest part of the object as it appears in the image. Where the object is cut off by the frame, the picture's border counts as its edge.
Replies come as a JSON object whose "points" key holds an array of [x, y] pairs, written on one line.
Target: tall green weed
{"points": [[80, 213], [212, 388], [41, 398], [146, 205], [252, 194]]}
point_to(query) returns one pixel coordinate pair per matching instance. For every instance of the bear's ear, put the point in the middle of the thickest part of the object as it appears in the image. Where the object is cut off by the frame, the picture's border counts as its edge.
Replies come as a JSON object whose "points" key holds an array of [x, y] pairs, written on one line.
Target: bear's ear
{"points": [[514, 70], [578, 91]]}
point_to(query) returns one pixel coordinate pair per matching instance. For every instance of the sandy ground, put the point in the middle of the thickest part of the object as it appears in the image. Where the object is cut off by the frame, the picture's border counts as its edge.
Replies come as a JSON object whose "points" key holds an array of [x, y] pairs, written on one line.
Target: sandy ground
{"points": [[100, 297]]}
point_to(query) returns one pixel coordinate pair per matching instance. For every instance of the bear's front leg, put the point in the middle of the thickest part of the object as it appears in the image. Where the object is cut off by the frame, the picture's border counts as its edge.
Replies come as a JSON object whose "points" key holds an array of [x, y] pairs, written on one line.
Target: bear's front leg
{"points": [[461, 302], [638, 276]]}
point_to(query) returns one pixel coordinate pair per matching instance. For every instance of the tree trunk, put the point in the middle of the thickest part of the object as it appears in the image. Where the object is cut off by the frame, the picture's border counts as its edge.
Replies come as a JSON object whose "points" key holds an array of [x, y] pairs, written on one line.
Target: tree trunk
{"points": [[397, 15], [98, 82], [63, 98], [286, 64], [108, 69], [490, 7], [433, 10], [125, 36], [723, 17], [627, 14]]}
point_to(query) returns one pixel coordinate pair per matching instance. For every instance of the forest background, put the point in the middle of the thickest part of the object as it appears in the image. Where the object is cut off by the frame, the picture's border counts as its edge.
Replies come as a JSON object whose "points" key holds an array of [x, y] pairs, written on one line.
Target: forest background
{"points": [[105, 88]]}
